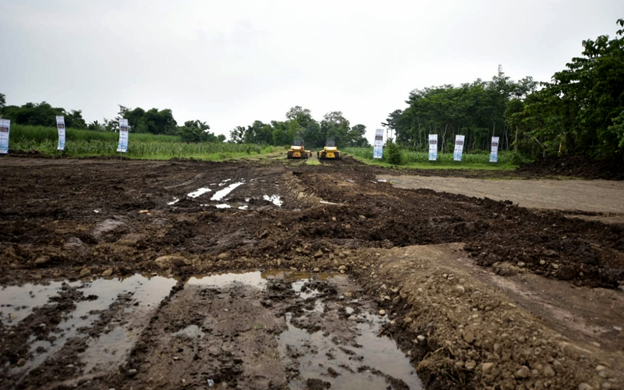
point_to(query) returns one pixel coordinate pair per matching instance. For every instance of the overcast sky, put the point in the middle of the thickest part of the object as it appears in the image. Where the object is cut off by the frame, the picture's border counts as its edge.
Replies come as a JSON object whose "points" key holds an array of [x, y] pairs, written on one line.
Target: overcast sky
{"points": [[230, 62]]}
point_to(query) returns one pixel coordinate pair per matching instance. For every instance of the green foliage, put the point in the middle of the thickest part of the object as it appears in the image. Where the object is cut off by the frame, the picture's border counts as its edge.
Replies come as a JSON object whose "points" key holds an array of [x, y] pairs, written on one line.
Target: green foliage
{"points": [[418, 159], [300, 123], [197, 131], [475, 110], [41, 114], [392, 153], [84, 143], [151, 121]]}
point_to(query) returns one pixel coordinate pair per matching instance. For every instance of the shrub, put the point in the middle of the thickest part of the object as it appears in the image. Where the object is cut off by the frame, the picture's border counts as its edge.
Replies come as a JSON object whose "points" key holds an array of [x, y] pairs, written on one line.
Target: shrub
{"points": [[393, 153]]}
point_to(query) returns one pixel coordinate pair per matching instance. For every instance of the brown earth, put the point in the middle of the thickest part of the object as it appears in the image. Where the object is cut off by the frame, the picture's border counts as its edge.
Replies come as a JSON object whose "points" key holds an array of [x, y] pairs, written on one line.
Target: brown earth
{"points": [[477, 293]]}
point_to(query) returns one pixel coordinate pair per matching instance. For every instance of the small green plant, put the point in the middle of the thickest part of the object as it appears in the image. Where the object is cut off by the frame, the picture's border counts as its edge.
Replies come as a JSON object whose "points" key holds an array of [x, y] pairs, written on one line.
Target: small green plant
{"points": [[393, 154]]}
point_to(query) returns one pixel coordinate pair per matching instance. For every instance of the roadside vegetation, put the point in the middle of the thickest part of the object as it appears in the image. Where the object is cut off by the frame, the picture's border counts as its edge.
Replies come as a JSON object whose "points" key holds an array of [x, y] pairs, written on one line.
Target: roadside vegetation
{"points": [[420, 160], [90, 143]]}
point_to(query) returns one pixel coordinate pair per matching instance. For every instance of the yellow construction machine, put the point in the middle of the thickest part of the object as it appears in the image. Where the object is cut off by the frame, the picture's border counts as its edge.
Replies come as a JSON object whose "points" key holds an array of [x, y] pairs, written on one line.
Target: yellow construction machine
{"points": [[297, 150], [330, 151]]}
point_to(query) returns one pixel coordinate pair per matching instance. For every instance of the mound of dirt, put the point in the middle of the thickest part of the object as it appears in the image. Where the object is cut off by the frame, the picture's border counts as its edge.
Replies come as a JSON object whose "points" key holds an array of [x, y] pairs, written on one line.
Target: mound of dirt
{"points": [[575, 166]]}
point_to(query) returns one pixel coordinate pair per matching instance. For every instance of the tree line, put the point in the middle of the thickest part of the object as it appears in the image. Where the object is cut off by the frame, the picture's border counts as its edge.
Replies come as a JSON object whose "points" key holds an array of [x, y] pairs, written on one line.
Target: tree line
{"points": [[299, 123], [152, 121], [579, 112]]}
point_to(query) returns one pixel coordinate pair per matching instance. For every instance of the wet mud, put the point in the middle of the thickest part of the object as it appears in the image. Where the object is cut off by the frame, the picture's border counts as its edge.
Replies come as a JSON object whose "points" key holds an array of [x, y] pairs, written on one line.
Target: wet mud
{"points": [[109, 280]]}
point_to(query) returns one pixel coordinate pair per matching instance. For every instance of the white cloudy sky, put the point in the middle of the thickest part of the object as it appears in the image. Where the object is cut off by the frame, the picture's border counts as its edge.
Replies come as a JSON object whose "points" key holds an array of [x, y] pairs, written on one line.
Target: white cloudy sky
{"points": [[230, 62]]}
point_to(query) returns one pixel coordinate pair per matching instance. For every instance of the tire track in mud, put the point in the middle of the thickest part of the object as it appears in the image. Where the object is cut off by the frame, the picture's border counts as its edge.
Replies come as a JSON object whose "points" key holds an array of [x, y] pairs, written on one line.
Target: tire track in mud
{"points": [[192, 237]]}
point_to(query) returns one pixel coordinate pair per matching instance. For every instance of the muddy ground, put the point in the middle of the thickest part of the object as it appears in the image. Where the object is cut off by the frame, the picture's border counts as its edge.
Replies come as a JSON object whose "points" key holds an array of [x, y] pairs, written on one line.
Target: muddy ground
{"points": [[275, 274]]}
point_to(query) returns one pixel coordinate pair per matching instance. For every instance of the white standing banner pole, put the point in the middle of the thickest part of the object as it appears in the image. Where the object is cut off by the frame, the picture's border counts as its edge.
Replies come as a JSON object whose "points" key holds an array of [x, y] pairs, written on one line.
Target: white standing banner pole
{"points": [[459, 147], [433, 147], [378, 145], [123, 136], [494, 150], [60, 125], [5, 129]]}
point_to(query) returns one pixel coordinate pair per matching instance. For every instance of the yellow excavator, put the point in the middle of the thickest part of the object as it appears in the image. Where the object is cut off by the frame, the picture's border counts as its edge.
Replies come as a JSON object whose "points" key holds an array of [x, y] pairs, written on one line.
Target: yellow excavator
{"points": [[297, 150], [330, 151]]}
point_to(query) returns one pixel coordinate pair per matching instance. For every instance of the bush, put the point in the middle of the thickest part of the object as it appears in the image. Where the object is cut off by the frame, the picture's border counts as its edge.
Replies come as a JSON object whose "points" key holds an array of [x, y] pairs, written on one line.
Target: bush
{"points": [[393, 153]]}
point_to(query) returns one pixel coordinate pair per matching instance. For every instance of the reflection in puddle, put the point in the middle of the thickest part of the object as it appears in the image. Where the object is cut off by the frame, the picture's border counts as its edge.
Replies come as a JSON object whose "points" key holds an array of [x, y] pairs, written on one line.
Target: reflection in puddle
{"points": [[191, 331], [143, 293], [253, 279], [174, 201], [275, 199], [344, 366], [223, 206], [340, 352], [219, 195], [17, 302], [199, 192]]}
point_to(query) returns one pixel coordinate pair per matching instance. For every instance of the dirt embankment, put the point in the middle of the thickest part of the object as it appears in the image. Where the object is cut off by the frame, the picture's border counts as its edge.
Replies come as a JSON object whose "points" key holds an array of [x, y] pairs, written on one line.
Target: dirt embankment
{"points": [[81, 221]]}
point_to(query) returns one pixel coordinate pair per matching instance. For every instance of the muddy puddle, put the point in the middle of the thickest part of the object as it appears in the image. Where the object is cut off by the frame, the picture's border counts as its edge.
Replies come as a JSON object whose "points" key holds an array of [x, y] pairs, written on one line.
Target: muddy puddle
{"points": [[233, 330], [223, 195]]}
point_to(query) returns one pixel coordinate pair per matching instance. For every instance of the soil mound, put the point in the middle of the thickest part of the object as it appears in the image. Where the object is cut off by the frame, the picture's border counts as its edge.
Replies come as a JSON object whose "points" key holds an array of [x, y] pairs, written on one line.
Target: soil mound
{"points": [[575, 166]]}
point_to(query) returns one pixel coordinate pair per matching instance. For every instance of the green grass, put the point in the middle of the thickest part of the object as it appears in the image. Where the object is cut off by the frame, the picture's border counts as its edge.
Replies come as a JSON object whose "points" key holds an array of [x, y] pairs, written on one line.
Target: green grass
{"points": [[313, 161], [420, 160], [87, 143]]}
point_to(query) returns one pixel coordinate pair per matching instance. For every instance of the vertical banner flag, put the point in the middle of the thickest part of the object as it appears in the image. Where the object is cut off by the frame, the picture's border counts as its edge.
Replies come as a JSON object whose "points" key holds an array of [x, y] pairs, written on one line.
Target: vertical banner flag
{"points": [[5, 127], [123, 136], [378, 145], [494, 152], [60, 125], [459, 147], [433, 147]]}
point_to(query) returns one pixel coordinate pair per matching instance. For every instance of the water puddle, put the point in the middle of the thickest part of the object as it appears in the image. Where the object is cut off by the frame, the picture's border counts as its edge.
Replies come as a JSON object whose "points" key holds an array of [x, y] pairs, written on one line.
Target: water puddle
{"points": [[174, 201], [219, 195], [199, 192], [17, 302], [224, 181], [275, 199], [138, 295], [191, 331], [223, 206], [367, 362], [254, 279], [320, 342]]}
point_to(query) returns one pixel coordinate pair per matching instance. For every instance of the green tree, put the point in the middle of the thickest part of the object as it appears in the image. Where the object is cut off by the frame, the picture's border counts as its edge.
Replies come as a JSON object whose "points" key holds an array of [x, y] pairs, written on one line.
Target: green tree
{"points": [[197, 131]]}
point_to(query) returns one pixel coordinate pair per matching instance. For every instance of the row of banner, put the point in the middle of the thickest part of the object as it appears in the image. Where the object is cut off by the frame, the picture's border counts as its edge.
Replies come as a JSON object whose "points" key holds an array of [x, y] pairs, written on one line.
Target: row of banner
{"points": [[5, 129], [433, 147], [459, 148]]}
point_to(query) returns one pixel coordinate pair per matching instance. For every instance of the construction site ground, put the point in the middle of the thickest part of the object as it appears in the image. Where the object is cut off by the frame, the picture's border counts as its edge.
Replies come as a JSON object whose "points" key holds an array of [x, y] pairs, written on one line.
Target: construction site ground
{"points": [[278, 274]]}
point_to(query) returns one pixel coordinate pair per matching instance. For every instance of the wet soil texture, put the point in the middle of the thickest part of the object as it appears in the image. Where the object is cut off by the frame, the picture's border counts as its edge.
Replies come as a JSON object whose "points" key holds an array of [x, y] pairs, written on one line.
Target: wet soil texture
{"points": [[276, 274]]}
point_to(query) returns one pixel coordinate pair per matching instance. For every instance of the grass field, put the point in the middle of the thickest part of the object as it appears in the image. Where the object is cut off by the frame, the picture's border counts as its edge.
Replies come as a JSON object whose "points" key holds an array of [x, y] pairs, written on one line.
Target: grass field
{"points": [[420, 160], [87, 143]]}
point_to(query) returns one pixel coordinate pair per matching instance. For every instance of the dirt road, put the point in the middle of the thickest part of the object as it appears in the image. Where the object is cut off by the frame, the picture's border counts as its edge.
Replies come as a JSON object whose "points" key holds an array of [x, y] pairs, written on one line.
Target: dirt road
{"points": [[277, 274], [599, 196]]}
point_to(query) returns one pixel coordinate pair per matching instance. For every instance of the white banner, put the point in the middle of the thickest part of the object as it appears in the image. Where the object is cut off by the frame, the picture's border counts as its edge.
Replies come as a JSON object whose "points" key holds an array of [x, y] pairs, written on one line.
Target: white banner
{"points": [[433, 147], [60, 125], [494, 151], [378, 145], [459, 147], [123, 136], [5, 128]]}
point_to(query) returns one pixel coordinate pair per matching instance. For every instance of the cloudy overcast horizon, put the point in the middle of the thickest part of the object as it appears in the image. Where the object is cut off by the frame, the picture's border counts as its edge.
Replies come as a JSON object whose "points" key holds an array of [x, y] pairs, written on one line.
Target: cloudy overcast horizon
{"points": [[230, 63]]}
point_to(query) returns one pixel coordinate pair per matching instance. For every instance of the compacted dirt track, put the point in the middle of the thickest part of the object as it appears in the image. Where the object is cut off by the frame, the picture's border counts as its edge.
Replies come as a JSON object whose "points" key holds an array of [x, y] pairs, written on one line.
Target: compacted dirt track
{"points": [[274, 274]]}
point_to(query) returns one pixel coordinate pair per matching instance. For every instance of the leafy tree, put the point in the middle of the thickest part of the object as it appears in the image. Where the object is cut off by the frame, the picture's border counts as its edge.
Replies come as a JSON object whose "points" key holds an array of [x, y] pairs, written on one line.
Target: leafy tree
{"points": [[42, 114], [335, 125], [579, 111], [197, 131]]}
